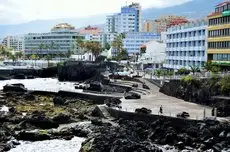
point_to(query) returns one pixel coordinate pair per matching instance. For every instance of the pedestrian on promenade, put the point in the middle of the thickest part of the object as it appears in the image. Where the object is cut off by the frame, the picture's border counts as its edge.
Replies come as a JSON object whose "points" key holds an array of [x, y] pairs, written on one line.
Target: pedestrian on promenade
{"points": [[161, 110], [213, 111]]}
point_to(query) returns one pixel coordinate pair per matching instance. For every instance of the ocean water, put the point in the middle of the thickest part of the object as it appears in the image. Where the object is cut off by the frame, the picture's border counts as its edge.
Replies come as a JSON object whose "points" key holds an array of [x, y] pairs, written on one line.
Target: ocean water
{"points": [[43, 84], [55, 145]]}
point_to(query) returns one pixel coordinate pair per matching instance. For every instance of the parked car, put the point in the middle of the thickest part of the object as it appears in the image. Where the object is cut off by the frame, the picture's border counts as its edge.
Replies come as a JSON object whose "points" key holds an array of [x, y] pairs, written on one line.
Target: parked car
{"points": [[183, 115], [143, 110]]}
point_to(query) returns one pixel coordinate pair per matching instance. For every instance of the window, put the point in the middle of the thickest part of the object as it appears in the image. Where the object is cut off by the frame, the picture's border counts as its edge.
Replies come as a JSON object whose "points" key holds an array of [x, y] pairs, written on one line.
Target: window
{"points": [[225, 8]]}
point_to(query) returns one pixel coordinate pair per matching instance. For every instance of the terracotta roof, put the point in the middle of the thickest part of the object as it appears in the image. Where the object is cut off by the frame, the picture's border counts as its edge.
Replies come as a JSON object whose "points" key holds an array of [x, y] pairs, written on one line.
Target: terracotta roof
{"points": [[223, 3], [90, 30]]}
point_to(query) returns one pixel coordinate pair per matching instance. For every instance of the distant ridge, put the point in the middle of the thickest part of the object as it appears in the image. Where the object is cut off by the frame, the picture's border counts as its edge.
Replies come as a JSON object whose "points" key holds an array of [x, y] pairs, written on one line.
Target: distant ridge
{"points": [[194, 9]]}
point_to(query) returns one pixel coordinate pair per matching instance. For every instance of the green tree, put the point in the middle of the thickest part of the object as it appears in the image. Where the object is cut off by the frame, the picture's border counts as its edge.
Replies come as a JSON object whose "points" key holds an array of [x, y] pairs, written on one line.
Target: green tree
{"points": [[69, 53], [48, 58], [194, 69], [117, 45], [123, 55], [93, 47], [12, 57], [225, 85], [3, 51], [41, 47], [19, 55], [208, 66], [80, 43], [107, 46], [34, 57]]}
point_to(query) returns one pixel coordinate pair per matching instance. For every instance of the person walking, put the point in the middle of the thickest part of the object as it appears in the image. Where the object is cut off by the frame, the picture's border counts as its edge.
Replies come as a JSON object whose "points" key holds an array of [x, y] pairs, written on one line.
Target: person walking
{"points": [[161, 110]]}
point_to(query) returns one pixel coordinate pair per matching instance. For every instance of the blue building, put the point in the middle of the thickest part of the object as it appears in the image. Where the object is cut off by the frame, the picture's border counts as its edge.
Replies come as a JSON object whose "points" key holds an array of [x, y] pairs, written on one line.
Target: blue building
{"points": [[186, 45], [133, 41], [128, 20]]}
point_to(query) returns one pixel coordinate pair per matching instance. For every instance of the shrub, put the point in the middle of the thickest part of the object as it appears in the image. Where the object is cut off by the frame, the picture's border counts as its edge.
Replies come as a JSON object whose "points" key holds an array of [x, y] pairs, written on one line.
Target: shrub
{"points": [[225, 85], [183, 71], [189, 80], [215, 69]]}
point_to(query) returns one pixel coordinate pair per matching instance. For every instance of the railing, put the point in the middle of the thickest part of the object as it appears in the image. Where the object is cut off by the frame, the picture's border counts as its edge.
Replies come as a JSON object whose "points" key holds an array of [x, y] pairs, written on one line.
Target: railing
{"points": [[155, 111]]}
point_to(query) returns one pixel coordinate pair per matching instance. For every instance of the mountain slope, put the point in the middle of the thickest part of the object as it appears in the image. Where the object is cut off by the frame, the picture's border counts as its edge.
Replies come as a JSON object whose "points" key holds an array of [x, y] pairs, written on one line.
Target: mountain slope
{"points": [[193, 9]]}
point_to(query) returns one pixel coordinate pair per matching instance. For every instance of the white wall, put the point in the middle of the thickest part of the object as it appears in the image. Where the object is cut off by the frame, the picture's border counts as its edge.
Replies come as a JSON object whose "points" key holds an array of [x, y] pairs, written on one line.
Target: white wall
{"points": [[83, 57], [155, 52]]}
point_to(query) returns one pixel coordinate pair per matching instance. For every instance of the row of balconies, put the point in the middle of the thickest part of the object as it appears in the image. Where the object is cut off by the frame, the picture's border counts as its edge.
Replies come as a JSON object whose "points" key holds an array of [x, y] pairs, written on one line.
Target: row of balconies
{"points": [[171, 66], [192, 48], [193, 38], [186, 58]]}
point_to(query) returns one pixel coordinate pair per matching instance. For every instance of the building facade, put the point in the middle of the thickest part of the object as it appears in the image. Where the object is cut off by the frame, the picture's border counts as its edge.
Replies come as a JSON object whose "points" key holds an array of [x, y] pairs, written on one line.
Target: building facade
{"points": [[128, 20], [60, 40], [186, 45], [148, 26], [15, 43], [164, 22], [219, 35], [133, 41], [154, 55], [90, 33]]}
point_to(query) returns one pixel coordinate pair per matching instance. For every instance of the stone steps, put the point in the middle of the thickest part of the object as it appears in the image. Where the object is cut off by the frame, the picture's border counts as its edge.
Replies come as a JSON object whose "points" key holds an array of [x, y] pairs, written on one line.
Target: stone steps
{"points": [[105, 113]]}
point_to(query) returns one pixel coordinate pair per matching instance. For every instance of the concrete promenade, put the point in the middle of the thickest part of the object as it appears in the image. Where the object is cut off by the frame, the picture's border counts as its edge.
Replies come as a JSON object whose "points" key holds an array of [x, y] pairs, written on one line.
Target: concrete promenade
{"points": [[171, 105]]}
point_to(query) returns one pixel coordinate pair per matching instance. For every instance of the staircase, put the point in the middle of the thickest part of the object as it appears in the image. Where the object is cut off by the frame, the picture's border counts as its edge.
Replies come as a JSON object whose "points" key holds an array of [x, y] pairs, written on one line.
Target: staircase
{"points": [[105, 112]]}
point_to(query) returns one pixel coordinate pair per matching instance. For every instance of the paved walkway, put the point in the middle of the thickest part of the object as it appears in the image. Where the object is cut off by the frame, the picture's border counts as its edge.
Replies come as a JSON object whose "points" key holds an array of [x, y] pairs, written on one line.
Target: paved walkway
{"points": [[171, 105]]}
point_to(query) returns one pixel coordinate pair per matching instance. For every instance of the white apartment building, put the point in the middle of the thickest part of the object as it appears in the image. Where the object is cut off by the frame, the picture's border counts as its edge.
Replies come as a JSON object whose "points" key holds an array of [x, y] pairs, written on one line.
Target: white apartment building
{"points": [[186, 45], [154, 55], [60, 40], [15, 43]]}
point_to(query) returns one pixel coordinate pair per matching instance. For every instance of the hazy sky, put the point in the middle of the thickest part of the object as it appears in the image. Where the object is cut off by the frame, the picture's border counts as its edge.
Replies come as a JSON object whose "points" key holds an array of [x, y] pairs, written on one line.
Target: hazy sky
{"points": [[18, 11]]}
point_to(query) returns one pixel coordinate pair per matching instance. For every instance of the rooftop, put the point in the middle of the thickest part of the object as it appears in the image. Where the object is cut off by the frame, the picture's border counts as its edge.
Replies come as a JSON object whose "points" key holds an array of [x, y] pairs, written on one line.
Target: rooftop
{"points": [[63, 26], [223, 3]]}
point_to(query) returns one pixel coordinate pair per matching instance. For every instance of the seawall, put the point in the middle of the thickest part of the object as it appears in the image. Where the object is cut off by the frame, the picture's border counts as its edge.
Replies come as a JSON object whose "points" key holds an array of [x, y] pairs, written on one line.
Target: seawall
{"points": [[149, 117], [95, 98]]}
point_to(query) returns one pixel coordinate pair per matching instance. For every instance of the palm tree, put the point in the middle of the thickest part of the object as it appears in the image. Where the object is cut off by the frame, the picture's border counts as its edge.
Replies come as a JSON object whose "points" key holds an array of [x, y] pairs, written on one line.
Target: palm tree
{"points": [[208, 66], [93, 47], [194, 69], [41, 47], [3, 51], [12, 56], [34, 57], [117, 44], [18, 55], [48, 58]]}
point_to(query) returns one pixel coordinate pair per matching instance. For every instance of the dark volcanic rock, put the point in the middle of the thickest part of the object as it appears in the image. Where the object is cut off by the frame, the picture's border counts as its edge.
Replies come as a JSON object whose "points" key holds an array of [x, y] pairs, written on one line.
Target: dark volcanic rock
{"points": [[19, 76], [133, 96], [61, 118], [32, 136], [143, 110], [14, 88], [96, 86], [59, 101], [41, 121]]}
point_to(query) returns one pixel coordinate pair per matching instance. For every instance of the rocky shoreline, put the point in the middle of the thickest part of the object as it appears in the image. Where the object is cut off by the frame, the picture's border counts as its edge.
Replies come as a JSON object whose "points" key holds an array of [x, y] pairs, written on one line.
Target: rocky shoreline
{"points": [[32, 117], [135, 136], [38, 117]]}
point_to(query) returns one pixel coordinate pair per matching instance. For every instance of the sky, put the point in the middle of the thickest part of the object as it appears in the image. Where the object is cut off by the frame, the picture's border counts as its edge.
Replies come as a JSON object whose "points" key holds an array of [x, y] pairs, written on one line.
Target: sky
{"points": [[20, 11]]}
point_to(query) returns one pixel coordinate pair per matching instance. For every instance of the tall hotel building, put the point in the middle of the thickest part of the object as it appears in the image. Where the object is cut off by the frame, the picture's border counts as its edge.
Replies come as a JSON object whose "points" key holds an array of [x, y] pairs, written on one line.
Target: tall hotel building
{"points": [[219, 35], [128, 20], [186, 45]]}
